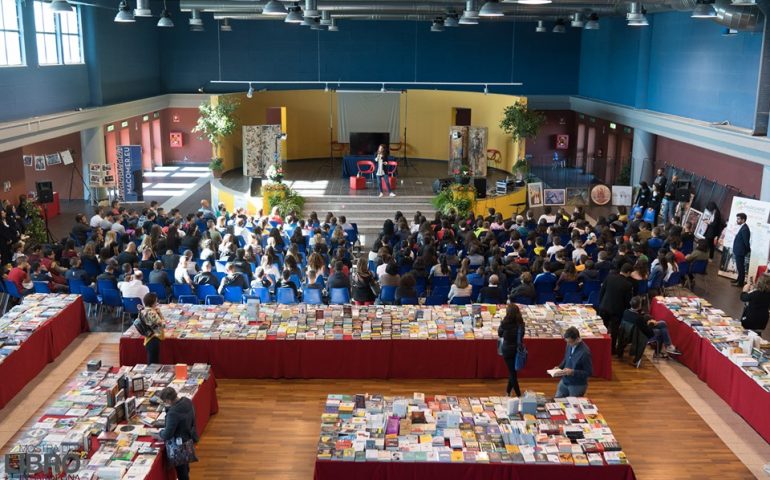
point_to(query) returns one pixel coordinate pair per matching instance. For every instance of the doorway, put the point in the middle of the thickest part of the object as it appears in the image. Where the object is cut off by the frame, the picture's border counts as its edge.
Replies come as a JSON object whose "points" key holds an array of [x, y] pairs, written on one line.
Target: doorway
{"points": [[277, 116], [590, 150], [462, 116], [609, 171], [580, 146]]}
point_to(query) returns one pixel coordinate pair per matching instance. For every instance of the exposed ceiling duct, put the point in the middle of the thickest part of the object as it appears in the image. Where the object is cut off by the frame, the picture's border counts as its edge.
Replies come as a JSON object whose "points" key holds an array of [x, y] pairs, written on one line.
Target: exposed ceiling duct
{"points": [[745, 18]]}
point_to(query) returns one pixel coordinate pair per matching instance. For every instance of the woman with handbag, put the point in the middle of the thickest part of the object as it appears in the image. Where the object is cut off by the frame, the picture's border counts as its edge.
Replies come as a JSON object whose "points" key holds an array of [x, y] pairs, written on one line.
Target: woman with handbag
{"points": [[149, 323], [510, 345], [180, 433]]}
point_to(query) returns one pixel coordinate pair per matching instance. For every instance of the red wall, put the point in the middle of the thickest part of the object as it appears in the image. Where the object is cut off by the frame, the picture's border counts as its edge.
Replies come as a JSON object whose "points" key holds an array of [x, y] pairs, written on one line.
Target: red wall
{"points": [[723, 169], [12, 165], [61, 175], [542, 147], [195, 151]]}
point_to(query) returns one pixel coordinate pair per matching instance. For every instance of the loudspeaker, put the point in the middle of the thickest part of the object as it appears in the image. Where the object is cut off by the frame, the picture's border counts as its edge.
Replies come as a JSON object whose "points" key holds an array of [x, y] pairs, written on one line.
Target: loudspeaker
{"points": [[682, 191], [44, 192], [481, 187], [440, 184]]}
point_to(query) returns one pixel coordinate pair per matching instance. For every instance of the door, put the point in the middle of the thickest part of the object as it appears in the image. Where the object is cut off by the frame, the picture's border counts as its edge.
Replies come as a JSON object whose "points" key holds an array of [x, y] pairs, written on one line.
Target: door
{"points": [[609, 172], [157, 145], [462, 116], [590, 149], [580, 146]]}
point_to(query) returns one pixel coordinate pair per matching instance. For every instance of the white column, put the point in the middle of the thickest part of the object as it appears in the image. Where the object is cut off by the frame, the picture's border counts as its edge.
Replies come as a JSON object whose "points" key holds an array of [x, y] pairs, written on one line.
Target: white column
{"points": [[92, 144], [642, 157], [764, 194]]}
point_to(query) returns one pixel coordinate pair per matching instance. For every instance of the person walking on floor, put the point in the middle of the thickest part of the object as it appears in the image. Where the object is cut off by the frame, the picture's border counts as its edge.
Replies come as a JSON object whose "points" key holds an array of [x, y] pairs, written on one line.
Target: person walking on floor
{"points": [[153, 322], [614, 298], [576, 366], [180, 424], [511, 330], [382, 176], [741, 248]]}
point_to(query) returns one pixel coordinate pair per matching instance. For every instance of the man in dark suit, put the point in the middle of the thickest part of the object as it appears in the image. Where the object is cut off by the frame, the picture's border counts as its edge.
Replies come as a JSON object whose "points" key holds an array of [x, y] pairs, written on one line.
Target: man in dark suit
{"points": [[614, 298], [576, 367], [741, 248]]}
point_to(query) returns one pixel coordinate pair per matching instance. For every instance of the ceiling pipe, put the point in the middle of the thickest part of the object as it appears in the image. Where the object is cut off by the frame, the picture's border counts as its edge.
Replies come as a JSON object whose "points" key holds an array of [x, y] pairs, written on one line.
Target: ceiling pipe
{"points": [[389, 5]]}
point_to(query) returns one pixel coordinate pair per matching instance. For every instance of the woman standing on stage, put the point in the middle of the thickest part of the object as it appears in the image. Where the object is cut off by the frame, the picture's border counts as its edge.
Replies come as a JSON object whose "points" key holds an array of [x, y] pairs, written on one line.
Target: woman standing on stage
{"points": [[382, 177]]}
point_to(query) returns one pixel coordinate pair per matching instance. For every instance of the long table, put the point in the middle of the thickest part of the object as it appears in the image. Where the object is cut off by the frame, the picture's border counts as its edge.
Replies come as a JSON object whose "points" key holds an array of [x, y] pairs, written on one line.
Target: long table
{"points": [[362, 358], [46, 343], [724, 377], [332, 470]]}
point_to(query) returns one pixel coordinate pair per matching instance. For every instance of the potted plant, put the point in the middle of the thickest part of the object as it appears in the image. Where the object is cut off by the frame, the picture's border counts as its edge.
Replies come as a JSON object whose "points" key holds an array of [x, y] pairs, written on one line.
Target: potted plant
{"points": [[216, 121], [462, 175], [520, 122], [520, 169], [274, 174], [216, 166]]}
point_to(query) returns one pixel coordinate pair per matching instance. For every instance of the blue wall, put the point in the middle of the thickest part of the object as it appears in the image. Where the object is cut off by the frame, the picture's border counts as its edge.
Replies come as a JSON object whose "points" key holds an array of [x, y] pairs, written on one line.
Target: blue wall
{"points": [[371, 51], [677, 65]]}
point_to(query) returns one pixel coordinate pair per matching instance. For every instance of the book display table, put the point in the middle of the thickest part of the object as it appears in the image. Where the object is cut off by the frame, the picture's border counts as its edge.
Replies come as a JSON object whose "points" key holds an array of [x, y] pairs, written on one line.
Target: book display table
{"points": [[33, 334], [702, 334], [308, 341], [90, 419], [381, 437]]}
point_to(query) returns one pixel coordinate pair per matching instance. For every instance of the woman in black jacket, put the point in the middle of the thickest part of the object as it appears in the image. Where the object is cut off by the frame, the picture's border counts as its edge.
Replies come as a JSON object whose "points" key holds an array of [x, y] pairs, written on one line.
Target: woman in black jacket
{"points": [[364, 284], [180, 423], [511, 329], [714, 228], [757, 298], [644, 196]]}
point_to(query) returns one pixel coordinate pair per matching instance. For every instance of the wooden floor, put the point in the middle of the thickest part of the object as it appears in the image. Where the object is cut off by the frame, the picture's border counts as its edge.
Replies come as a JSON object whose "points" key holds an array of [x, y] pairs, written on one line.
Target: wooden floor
{"points": [[269, 429]]}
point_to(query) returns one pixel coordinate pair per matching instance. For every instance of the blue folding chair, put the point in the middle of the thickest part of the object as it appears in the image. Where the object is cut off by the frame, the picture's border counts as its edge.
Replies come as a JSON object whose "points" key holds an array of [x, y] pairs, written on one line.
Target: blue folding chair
{"points": [[90, 299], [204, 291], [262, 293], [339, 296], [523, 300], [102, 285], [75, 285], [11, 290], [130, 307], [188, 299], [180, 289], [233, 294], [437, 299], [41, 287], [460, 301], [159, 290], [215, 300], [146, 275], [590, 286], [699, 267], [91, 267], [111, 299], [312, 296], [409, 301], [572, 297], [568, 287], [438, 282], [388, 294], [544, 297], [593, 299], [285, 296]]}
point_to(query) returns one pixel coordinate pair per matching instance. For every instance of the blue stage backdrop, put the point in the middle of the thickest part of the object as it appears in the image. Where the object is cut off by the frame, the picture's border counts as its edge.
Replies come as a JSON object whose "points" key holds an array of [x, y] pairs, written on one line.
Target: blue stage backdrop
{"points": [[129, 162]]}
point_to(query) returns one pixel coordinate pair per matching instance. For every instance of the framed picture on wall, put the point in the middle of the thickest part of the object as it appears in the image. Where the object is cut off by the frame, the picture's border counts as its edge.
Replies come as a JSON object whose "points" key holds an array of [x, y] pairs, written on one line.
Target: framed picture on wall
{"points": [[577, 196], [554, 196], [601, 194], [39, 163], [94, 168], [562, 142], [53, 159], [622, 195], [535, 194], [175, 139], [29, 160]]}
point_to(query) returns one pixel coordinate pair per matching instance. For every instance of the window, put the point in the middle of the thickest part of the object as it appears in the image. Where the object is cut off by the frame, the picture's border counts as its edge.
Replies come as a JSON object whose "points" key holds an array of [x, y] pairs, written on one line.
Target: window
{"points": [[11, 49], [58, 36]]}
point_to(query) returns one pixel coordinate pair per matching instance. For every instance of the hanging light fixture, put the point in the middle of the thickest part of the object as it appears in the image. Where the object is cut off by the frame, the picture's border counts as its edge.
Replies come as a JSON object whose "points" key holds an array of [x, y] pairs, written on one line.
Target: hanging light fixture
{"points": [[250, 93], [383, 88], [142, 8], [61, 6], [311, 9], [125, 15], [491, 8], [315, 24], [535, 2], [295, 14], [306, 22], [225, 25], [333, 27], [165, 18], [326, 17], [703, 9], [274, 8], [195, 22], [593, 22], [577, 20], [559, 27], [438, 25], [470, 15], [636, 15], [486, 89], [451, 21], [540, 27]]}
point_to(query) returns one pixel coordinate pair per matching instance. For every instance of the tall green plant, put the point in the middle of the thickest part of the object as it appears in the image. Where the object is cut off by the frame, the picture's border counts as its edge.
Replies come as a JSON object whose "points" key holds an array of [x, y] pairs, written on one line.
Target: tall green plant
{"points": [[216, 121], [36, 226], [624, 176], [448, 203], [293, 202], [520, 122]]}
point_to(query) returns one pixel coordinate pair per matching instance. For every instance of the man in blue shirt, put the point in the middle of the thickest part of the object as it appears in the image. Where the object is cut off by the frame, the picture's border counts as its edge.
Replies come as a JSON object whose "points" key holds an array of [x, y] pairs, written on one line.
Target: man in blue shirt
{"points": [[741, 249], [576, 366]]}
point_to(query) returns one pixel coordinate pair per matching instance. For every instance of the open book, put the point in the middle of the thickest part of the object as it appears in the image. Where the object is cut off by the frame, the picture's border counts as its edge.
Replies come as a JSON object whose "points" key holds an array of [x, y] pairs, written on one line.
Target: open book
{"points": [[555, 372]]}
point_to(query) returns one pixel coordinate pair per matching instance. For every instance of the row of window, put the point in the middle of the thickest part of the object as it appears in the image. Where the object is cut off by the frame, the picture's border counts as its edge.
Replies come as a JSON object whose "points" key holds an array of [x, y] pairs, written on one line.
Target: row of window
{"points": [[58, 37]]}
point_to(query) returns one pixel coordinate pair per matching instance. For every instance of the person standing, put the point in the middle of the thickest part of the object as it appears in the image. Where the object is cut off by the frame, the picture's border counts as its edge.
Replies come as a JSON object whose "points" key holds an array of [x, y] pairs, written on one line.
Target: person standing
{"points": [[614, 298], [152, 318], [382, 176], [669, 201], [511, 330], [644, 196], [741, 248], [660, 179], [714, 228], [576, 366], [180, 424]]}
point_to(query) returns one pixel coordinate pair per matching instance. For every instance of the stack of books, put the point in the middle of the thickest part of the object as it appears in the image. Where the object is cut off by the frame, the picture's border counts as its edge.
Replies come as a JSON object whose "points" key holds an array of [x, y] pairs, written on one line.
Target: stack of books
{"points": [[119, 407], [746, 349], [378, 322], [450, 429], [20, 322]]}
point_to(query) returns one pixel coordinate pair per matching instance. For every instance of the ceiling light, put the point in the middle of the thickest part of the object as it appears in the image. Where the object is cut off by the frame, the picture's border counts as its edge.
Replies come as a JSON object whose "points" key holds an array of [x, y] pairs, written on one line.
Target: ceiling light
{"points": [[703, 10], [593, 22], [326, 87], [142, 9], [295, 14], [383, 88], [744, 2], [468, 20], [326, 17], [438, 25], [195, 18], [534, 2], [540, 27], [636, 15], [491, 9], [306, 22], [61, 6], [638, 23], [316, 24], [558, 27], [729, 32], [250, 93], [125, 15], [451, 21], [225, 25], [577, 20], [165, 19], [486, 89], [333, 27], [311, 9], [274, 8]]}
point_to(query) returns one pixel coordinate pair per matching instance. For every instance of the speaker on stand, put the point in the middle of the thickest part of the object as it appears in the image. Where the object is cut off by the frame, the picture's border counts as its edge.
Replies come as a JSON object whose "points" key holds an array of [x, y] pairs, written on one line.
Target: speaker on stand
{"points": [[481, 187], [44, 197]]}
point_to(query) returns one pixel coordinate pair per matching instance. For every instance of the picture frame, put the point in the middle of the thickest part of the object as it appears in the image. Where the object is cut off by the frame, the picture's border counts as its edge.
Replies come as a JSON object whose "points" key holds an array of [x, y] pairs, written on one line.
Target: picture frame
{"points": [[94, 168], [622, 195], [535, 194], [577, 196], [40, 163], [554, 196], [29, 160], [703, 224], [693, 216], [53, 159], [601, 194]]}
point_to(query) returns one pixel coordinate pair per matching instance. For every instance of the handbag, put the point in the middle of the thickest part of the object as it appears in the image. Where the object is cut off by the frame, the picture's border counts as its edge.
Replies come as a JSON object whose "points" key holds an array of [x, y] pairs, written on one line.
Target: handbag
{"points": [[180, 452], [141, 327], [500, 343], [521, 352]]}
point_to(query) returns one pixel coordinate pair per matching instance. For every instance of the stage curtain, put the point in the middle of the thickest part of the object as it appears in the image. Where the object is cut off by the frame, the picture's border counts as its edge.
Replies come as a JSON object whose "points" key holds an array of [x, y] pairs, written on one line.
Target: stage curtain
{"points": [[368, 112]]}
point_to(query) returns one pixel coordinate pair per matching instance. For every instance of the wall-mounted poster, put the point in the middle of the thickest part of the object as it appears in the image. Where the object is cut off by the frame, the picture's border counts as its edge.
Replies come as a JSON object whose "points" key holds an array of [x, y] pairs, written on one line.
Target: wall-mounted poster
{"points": [[261, 149], [535, 194], [601, 194], [175, 139], [29, 160], [458, 148], [562, 142], [53, 159], [554, 196], [40, 163], [66, 157], [577, 196], [622, 195], [6, 186], [477, 151]]}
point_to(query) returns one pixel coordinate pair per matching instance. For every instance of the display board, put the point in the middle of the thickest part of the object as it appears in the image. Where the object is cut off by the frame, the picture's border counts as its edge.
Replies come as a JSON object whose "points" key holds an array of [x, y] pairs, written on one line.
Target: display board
{"points": [[368, 112], [129, 165], [458, 148], [261, 149], [757, 214], [477, 150]]}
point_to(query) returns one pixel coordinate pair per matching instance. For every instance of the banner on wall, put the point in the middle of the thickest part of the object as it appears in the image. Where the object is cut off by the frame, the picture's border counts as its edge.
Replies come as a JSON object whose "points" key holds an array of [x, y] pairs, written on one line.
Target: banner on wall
{"points": [[129, 172], [757, 215]]}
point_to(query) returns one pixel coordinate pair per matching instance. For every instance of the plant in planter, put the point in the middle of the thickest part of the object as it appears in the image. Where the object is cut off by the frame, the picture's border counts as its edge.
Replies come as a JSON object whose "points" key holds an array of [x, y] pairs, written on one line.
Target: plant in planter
{"points": [[462, 175], [214, 124], [520, 122], [457, 199], [281, 196], [274, 174], [520, 169], [216, 166]]}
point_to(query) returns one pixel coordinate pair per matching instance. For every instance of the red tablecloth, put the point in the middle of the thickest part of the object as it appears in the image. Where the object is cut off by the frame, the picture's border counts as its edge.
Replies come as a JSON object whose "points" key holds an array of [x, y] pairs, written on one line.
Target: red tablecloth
{"points": [[41, 348], [362, 358], [725, 378], [335, 470]]}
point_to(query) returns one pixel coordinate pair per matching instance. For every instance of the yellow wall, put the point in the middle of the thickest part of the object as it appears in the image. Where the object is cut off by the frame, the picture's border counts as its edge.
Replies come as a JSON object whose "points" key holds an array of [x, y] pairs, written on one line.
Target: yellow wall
{"points": [[504, 205], [427, 115]]}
